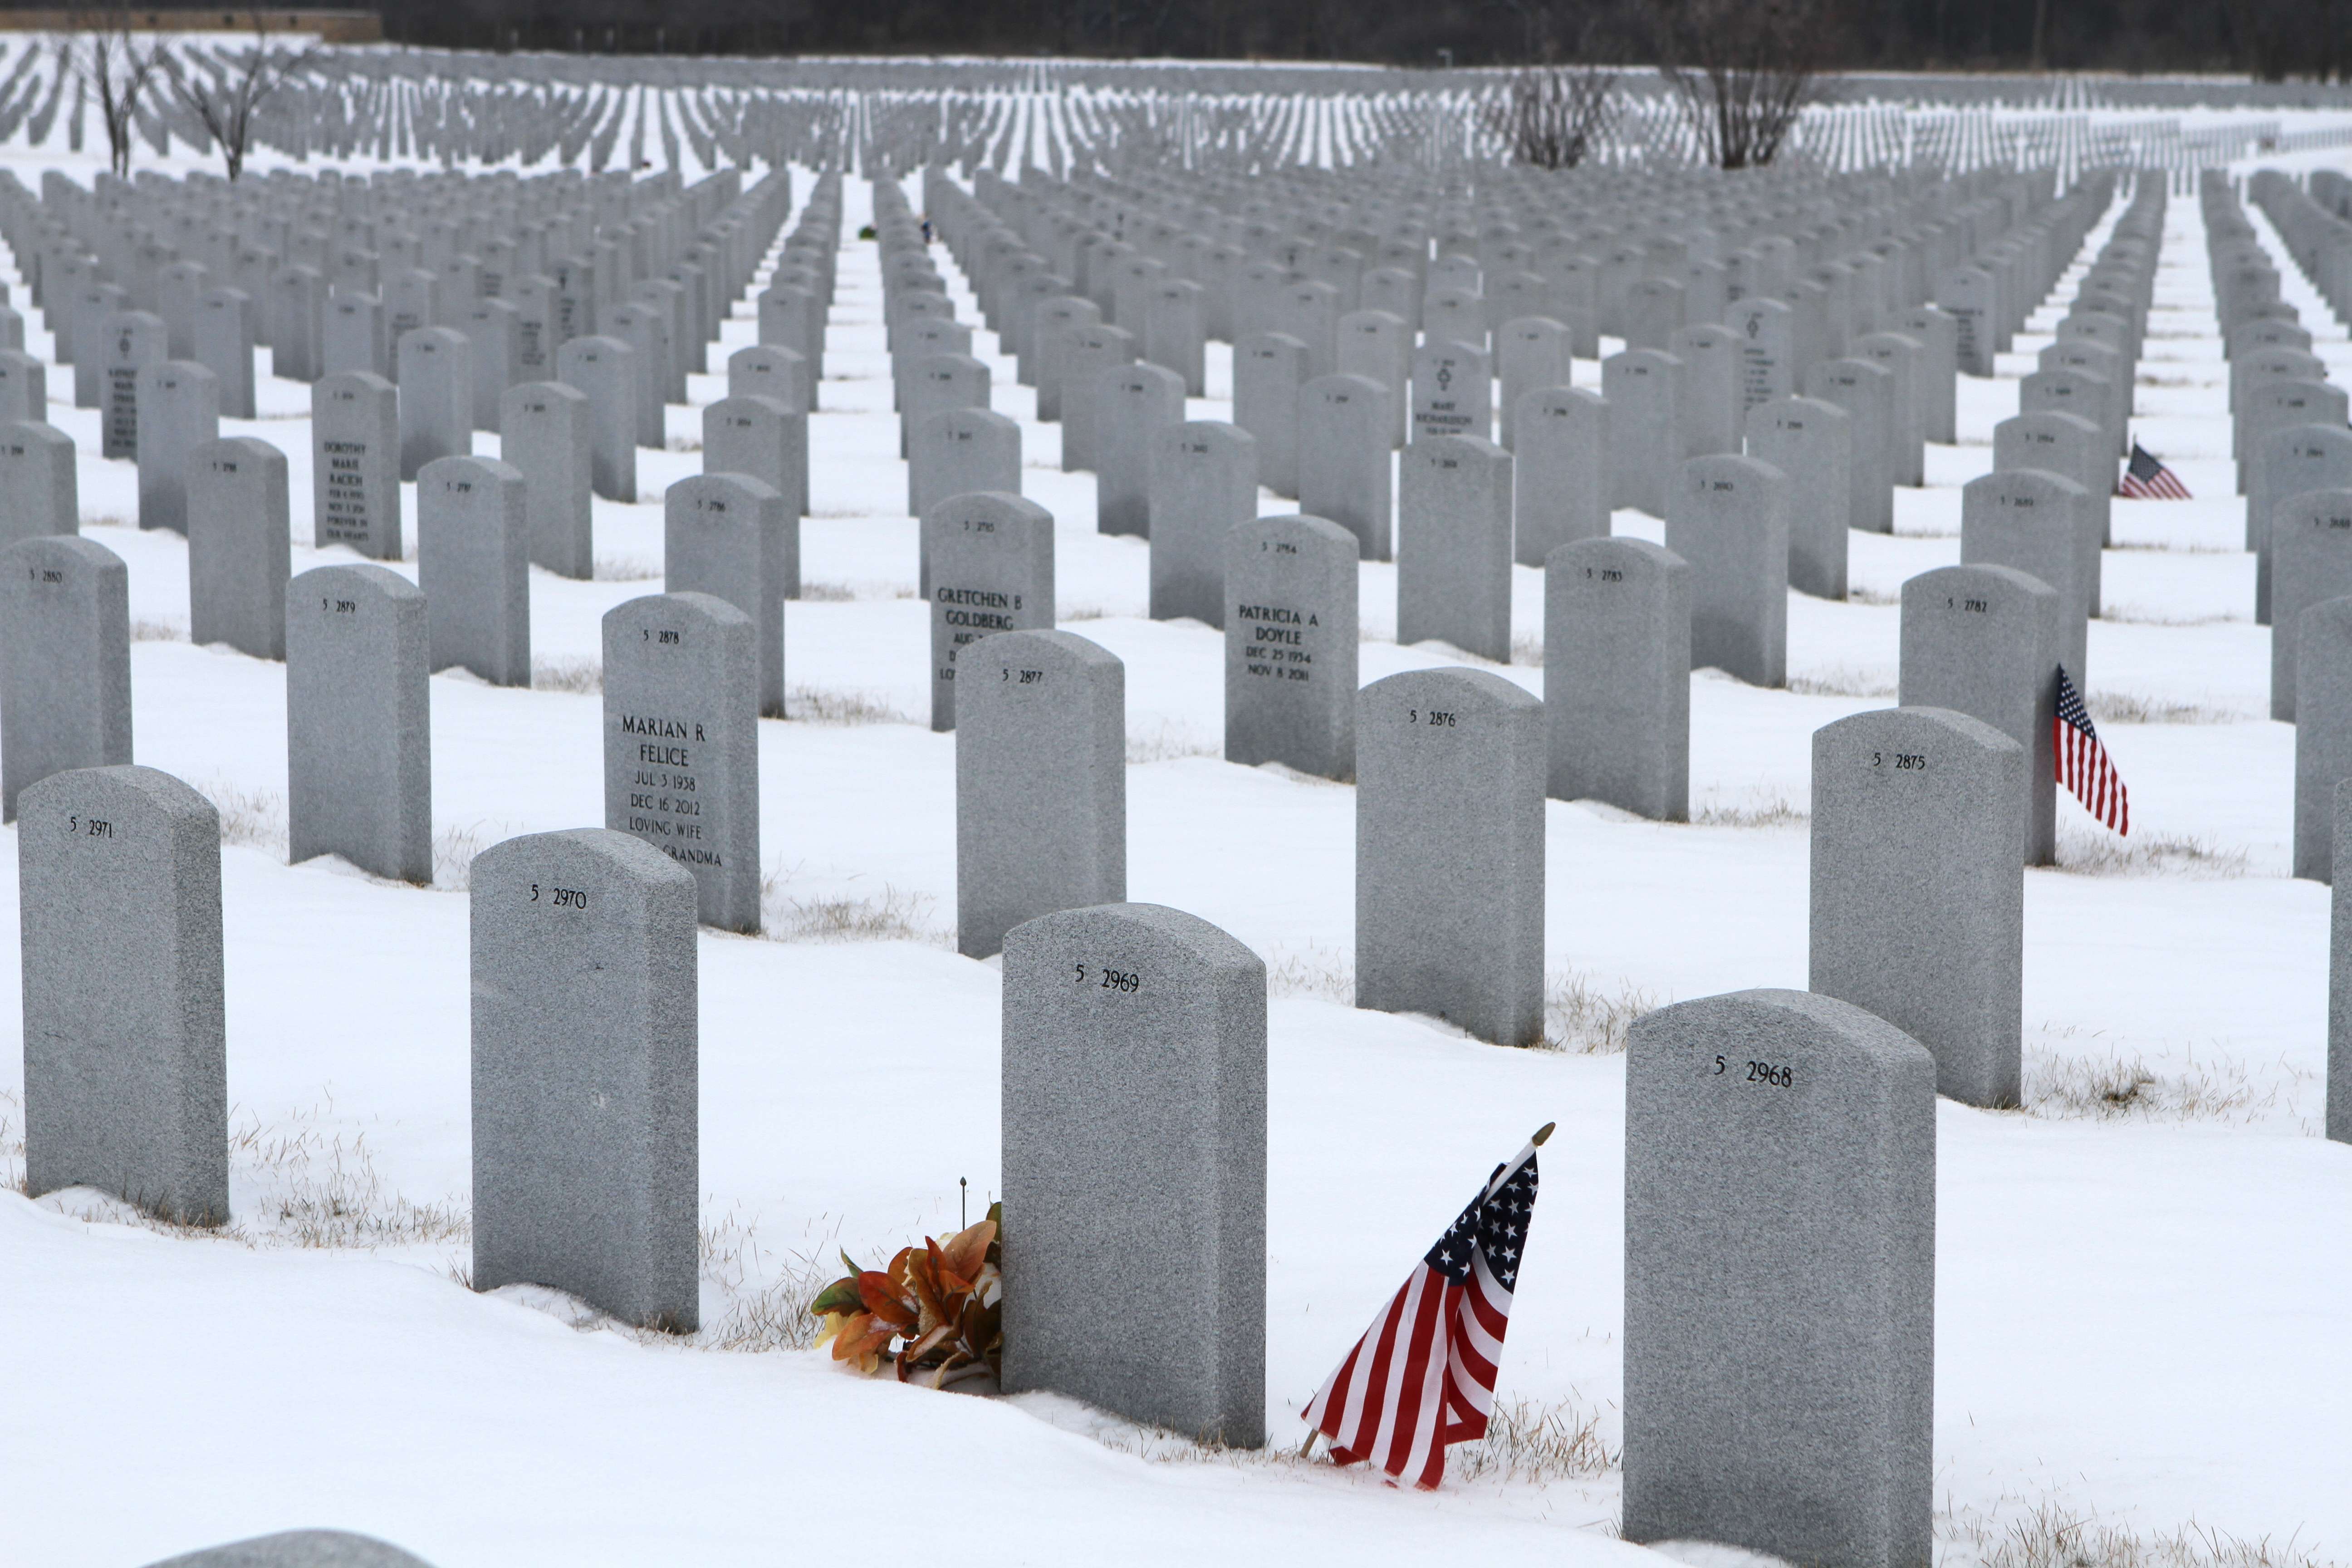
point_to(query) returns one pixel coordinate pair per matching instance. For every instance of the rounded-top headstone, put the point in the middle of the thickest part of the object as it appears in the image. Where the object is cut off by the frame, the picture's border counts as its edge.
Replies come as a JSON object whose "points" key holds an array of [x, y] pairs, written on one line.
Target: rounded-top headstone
{"points": [[1344, 465], [125, 1047], [1984, 641], [1449, 851], [1913, 801], [681, 742], [1041, 781], [1780, 1376], [1728, 517], [1617, 676], [65, 661], [300, 1549], [359, 755], [585, 1152], [1291, 644], [1134, 1126]]}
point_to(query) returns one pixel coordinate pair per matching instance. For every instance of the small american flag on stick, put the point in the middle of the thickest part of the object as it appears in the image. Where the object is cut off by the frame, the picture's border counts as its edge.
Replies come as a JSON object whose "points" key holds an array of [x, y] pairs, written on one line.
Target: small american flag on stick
{"points": [[2145, 478], [1423, 1374], [2083, 766]]}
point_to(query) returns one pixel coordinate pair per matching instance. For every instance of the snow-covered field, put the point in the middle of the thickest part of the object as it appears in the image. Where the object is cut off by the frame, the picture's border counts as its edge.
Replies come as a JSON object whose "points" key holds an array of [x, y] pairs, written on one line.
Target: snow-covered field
{"points": [[2144, 1279]]}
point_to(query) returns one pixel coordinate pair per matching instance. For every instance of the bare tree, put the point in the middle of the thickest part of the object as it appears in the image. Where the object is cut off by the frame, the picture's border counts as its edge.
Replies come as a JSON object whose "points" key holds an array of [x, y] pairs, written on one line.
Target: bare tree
{"points": [[224, 99], [1741, 70], [114, 66], [1550, 116]]}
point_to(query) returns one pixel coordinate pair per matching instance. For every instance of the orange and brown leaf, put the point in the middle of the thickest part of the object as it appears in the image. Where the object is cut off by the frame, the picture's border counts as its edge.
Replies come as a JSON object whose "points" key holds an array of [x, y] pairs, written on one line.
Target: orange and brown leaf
{"points": [[883, 1298], [967, 1249]]}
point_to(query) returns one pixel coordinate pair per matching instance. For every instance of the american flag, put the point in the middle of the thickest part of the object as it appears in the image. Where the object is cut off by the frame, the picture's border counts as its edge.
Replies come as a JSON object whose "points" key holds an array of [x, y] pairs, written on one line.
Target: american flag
{"points": [[2083, 766], [2145, 478], [1423, 1374]]}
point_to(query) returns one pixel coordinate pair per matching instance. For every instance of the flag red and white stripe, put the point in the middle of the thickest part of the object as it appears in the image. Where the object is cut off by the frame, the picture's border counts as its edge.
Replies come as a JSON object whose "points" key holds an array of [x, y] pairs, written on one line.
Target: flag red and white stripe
{"points": [[2084, 765], [2145, 478], [1423, 1374]]}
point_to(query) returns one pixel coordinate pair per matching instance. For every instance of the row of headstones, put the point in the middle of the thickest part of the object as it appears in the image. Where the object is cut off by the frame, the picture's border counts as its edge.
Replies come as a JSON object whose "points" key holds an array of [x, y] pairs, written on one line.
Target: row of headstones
{"points": [[1626, 621], [1465, 508], [361, 774], [2294, 450], [2288, 422], [466, 372], [2045, 508], [313, 333], [1887, 397], [1384, 336], [1134, 1074], [2313, 227], [360, 642], [518, 318], [1621, 625], [367, 438], [559, 435], [1630, 288]]}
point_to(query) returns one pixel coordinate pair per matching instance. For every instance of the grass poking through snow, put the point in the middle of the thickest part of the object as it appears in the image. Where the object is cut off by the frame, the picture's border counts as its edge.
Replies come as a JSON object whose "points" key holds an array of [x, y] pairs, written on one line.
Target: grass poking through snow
{"points": [[810, 705], [2108, 1083], [256, 818], [2051, 1534], [2094, 852], [1167, 743], [2129, 708], [1758, 810], [1580, 1017], [581, 677], [1842, 683], [1530, 1441], [889, 915]]}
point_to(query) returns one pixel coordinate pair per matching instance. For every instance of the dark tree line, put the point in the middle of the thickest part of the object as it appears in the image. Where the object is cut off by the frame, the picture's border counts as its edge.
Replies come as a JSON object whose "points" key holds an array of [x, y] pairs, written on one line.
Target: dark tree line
{"points": [[2270, 39]]}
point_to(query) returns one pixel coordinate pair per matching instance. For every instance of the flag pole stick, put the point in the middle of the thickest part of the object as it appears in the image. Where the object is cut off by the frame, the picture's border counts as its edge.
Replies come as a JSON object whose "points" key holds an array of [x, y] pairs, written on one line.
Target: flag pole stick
{"points": [[1542, 1132]]}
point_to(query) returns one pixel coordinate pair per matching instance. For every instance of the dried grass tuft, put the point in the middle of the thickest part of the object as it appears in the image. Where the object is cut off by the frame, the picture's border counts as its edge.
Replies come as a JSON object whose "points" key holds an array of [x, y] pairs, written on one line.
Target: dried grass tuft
{"points": [[1167, 743], [890, 915], [582, 677], [1582, 1018], [256, 818], [2049, 1534], [1840, 681], [1312, 971], [1759, 809], [1532, 1442], [2129, 708], [147, 630], [762, 1298], [453, 849], [1528, 648], [1857, 594], [809, 705], [318, 1188], [2108, 1085], [12, 1142], [2095, 852], [2141, 616], [827, 593], [623, 568]]}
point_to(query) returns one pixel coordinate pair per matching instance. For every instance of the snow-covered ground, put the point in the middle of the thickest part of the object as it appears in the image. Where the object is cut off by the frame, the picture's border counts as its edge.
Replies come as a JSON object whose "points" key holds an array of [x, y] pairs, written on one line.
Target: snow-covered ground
{"points": [[2145, 1285]]}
